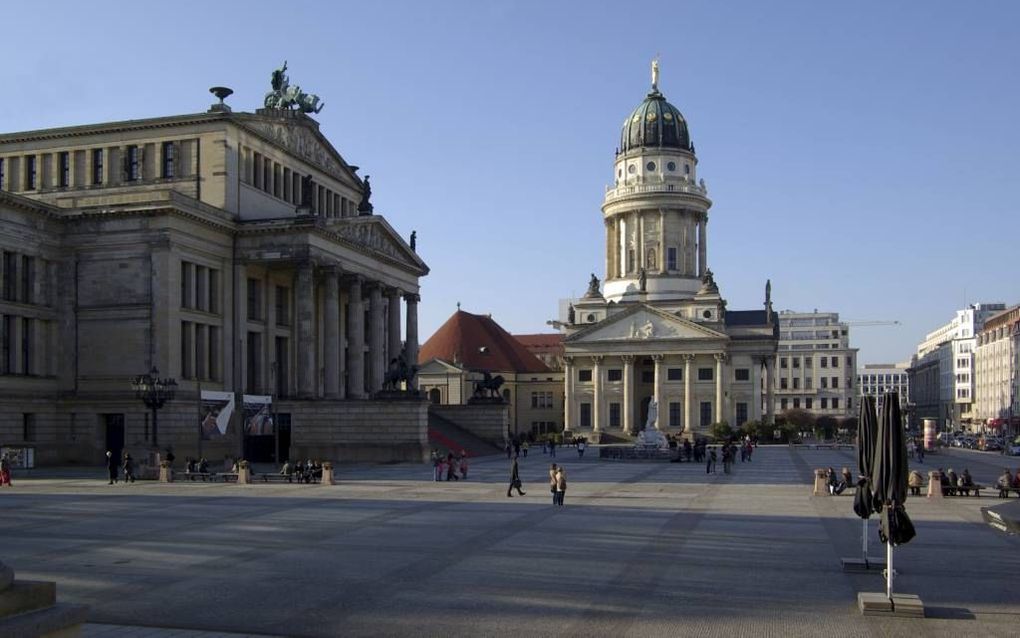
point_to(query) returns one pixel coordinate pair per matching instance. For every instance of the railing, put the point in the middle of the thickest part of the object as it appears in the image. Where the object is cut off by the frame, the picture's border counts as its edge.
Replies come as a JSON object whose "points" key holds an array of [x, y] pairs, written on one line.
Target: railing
{"points": [[669, 187]]}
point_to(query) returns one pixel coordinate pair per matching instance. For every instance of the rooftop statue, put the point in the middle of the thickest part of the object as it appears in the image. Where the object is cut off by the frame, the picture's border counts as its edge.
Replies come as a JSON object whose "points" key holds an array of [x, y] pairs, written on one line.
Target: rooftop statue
{"points": [[285, 96]]}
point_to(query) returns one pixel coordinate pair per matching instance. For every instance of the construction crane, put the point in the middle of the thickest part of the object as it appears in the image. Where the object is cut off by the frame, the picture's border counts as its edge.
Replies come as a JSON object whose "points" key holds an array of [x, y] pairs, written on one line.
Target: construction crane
{"points": [[872, 322]]}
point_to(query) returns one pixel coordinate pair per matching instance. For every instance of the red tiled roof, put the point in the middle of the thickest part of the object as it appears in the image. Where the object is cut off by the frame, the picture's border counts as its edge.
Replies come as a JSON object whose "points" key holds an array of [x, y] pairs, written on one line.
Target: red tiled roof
{"points": [[543, 343], [479, 343]]}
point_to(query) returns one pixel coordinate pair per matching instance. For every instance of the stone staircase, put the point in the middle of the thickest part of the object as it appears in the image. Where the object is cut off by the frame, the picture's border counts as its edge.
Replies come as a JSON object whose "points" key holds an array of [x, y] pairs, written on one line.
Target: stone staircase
{"points": [[445, 435], [30, 608]]}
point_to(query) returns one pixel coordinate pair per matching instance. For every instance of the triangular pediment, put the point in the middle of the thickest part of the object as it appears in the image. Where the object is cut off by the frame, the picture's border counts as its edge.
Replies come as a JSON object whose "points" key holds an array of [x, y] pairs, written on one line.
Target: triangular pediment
{"points": [[644, 323], [299, 136], [439, 366], [373, 233]]}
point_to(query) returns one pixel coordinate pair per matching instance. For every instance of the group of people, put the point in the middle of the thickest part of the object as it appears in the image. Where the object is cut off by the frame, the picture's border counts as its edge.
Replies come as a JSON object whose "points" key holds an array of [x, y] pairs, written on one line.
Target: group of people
{"points": [[308, 472], [1007, 482], [448, 466], [114, 465], [192, 466], [838, 482]]}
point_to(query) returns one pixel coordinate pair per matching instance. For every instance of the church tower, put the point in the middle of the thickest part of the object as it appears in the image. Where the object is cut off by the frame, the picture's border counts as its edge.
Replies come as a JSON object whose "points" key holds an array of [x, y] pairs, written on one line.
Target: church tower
{"points": [[656, 212]]}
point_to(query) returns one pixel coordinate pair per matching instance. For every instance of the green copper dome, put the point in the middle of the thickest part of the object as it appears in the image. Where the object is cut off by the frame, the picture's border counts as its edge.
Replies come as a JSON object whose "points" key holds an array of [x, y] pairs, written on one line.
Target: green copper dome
{"points": [[655, 123]]}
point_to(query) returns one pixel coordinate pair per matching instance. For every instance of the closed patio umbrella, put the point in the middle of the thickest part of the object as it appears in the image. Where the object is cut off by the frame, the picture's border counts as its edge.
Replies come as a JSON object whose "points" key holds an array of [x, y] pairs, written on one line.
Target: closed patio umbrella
{"points": [[864, 504], [889, 480]]}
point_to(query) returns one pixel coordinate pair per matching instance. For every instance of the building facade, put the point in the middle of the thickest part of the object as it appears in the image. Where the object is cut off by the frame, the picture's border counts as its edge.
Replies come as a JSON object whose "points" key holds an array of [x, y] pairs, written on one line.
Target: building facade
{"points": [[236, 252], [875, 379], [816, 367], [656, 345], [956, 365], [466, 348], [997, 370]]}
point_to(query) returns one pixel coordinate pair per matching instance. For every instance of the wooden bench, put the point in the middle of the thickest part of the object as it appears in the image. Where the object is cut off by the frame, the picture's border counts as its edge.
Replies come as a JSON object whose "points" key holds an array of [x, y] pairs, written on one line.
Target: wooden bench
{"points": [[1004, 491], [191, 476], [228, 476], [948, 490], [277, 477]]}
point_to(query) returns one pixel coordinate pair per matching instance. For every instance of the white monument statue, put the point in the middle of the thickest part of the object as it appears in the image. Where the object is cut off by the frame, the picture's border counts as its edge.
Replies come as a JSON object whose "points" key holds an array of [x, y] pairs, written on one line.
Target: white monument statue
{"points": [[651, 437]]}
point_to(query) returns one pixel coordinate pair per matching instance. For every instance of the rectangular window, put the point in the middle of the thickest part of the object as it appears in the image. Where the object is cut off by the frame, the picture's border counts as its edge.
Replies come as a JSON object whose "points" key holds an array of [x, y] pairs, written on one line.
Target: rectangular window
{"points": [[214, 291], [282, 366], [288, 183], [2, 173], [9, 347], [64, 169], [825, 383], [256, 171], [27, 279], [674, 374], [534, 399], [741, 413], [671, 258], [705, 374], [835, 382], [835, 403], [849, 361], [796, 383], [809, 362], [782, 404], [214, 353], [30, 172], [614, 374], [825, 403], [784, 384], [796, 403], [674, 414], [282, 302], [169, 160], [97, 166], [134, 164], [187, 350], [742, 374], [267, 175], [254, 357], [10, 276], [201, 350], [824, 361], [26, 346], [808, 382], [808, 403], [584, 376], [254, 299], [201, 287], [706, 413], [585, 415], [783, 363], [849, 403], [614, 415], [27, 427], [835, 362], [796, 362], [187, 280]]}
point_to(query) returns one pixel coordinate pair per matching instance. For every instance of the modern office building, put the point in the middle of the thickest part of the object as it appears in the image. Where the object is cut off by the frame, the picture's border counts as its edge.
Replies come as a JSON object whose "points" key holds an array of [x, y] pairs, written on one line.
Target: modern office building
{"points": [[997, 370], [875, 379], [816, 366]]}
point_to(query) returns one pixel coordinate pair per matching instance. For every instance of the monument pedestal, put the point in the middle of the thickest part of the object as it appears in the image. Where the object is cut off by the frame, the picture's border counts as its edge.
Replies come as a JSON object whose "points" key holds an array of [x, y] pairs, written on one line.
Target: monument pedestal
{"points": [[30, 608], [900, 605], [327, 475], [244, 476], [821, 483], [934, 484]]}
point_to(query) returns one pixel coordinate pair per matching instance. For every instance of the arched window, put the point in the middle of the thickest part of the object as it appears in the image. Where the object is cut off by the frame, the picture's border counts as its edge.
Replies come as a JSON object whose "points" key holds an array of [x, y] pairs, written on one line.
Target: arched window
{"points": [[435, 396]]}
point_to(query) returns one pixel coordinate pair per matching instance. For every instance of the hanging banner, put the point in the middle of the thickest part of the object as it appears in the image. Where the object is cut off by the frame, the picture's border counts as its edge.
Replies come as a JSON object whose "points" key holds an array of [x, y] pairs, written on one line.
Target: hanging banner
{"points": [[258, 415], [217, 408]]}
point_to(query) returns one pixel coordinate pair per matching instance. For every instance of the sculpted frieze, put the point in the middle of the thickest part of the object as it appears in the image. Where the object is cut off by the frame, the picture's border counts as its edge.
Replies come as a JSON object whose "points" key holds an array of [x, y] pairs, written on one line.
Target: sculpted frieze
{"points": [[369, 236], [301, 142]]}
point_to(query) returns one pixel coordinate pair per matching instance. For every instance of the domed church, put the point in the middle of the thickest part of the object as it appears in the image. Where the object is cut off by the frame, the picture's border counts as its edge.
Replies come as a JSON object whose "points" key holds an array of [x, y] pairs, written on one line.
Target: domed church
{"points": [[653, 343]]}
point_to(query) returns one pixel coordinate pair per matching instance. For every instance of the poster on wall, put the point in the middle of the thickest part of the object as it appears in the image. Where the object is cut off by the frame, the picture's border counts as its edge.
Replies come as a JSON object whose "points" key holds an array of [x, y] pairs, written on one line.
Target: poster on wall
{"points": [[258, 415], [217, 408], [21, 458]]}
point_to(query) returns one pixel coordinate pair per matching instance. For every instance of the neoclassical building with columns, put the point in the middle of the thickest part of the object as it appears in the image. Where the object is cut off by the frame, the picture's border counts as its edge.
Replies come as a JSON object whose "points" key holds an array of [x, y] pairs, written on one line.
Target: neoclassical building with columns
{"points": [[657, 331], [237, 252]]}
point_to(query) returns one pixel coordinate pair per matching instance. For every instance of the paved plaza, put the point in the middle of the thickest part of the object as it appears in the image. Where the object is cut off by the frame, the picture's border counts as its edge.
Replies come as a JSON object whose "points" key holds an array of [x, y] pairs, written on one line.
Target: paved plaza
{"points": [[641, 549]]}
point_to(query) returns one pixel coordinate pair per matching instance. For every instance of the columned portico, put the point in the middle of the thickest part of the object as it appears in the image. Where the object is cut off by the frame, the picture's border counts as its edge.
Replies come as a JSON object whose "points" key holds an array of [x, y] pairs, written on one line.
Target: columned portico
{"points": [[657, 390], [355, 340], [688, 393], [628, 393], [393, 327], [330, 333], [702, 245], [411, 330], [596, 408], [568, 390], [770, 399], [376, 326]]}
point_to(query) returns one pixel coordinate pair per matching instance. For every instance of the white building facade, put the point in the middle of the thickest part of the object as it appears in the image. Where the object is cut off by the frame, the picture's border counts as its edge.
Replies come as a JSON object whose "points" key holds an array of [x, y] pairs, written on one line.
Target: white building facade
{"points": [[816, 367], [875, 379], [996, 368]]}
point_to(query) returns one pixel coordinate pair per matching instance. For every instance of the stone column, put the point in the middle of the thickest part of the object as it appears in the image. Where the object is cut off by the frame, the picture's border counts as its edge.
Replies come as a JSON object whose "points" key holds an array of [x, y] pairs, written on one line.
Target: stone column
{"points": [[393, 328], [411, 330], [609, 248], [331, 334], [720, 411], [657, 390], [662, 241], [640, 261], [596, 408], [688, 393], [702, 248], [770, 382], [355, 340], [568, 391], [305, 301], [376, 326], [757, 363], [628, 393]]}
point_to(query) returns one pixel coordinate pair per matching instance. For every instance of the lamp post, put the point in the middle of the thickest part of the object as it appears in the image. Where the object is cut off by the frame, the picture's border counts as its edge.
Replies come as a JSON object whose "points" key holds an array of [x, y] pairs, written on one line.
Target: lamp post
{"points": [[154, 392]]}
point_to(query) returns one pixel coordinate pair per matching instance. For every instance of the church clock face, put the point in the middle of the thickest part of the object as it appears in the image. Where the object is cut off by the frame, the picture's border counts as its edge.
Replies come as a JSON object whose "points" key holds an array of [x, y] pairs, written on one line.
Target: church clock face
{"points": [[707, 314]]}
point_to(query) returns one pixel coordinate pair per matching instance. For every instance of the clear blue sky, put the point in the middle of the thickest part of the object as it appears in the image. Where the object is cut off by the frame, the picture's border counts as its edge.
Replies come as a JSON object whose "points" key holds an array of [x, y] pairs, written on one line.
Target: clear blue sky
{"points": [[864, 156]]}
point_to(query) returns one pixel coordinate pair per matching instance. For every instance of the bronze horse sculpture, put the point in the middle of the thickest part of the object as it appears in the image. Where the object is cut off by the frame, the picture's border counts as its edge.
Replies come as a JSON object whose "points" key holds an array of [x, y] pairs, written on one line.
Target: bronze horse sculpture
{"points": [[399, 372], [489, 385]]}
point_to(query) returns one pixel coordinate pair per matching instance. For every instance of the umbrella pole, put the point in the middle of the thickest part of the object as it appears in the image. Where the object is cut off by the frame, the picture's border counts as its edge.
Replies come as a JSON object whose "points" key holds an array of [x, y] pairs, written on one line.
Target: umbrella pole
{"points": [[864, 541], [888, 570]]}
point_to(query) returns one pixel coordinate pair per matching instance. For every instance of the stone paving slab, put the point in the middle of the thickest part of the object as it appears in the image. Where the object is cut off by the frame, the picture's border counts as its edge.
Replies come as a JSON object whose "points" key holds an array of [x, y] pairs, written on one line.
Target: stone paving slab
{"points": [[641, 549]]}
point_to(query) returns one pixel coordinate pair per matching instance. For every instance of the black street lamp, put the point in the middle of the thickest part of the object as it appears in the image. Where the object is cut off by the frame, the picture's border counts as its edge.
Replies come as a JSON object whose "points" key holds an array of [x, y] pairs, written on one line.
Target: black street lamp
{"points": [[154, 392]]}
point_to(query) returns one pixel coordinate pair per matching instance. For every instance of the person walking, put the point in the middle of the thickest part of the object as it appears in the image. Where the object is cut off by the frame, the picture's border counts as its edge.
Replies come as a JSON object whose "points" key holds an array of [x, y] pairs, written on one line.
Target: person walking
{"points": [[5, 471], [111, 466], [436, 471], [561, 486], [552, 481], [552, 448], [129, 468], [580, 449], [710, 465], [524, 447], [463, 464], [515, 479], [451, 468]]}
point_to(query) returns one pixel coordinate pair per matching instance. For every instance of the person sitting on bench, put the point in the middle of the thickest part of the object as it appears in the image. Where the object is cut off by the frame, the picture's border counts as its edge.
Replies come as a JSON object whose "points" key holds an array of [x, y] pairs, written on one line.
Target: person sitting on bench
{"points": [[915, 481], [954, 482], [836, 486], [1005, 482], [287, 471], [203, 466], [966, 482]]}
